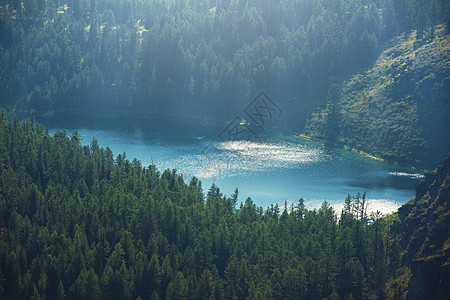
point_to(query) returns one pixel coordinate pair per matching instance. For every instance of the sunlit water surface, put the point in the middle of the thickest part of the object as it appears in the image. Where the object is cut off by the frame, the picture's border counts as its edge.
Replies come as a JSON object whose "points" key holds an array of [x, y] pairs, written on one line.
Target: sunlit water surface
{"points": [[268, 169]]}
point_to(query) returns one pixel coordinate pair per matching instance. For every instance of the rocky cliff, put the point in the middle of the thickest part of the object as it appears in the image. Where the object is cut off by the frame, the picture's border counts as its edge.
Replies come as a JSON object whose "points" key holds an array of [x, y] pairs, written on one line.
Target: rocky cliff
{"points": [[424, 230]]}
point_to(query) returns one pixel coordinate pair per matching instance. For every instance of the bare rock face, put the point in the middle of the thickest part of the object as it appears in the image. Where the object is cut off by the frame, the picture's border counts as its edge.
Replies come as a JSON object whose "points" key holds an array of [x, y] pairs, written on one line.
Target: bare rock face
{"points": [[430, 279], [424, 230]]}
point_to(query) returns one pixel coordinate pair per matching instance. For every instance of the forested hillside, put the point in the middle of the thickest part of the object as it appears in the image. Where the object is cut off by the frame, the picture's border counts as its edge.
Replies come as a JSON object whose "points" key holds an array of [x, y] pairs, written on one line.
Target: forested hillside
{"points": [[205, 58], [399, 108], [77, 222]]}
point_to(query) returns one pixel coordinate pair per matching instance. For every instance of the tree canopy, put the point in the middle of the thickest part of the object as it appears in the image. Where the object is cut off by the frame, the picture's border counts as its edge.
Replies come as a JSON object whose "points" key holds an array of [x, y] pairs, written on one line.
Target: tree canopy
{"points": [[200, 57], [78, 222]]}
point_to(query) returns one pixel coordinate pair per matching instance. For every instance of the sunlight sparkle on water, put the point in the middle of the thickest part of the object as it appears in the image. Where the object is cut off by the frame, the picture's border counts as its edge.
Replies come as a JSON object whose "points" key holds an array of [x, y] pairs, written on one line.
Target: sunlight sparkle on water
{"points": [[236, 157], [384, 206], [410, 175]]}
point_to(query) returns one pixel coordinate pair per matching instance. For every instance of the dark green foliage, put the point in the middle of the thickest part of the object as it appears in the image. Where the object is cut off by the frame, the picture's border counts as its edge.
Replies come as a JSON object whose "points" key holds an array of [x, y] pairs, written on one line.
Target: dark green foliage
{"points": [[198, 57], [75, 223]]}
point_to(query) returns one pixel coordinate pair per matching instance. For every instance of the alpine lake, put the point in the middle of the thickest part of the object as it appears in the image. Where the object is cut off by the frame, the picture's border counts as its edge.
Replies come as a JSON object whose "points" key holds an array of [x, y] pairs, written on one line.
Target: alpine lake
{"points": [[271, 169]]}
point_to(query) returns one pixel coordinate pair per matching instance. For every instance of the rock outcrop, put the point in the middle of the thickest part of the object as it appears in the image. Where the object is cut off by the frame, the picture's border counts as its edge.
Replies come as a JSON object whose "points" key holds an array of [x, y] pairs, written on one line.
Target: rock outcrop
{"points": [[424, 230]]}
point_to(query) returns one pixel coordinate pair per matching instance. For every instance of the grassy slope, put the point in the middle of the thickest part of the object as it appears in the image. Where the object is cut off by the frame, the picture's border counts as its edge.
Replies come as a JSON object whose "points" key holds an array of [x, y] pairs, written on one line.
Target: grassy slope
{"points": [[399, 108]]}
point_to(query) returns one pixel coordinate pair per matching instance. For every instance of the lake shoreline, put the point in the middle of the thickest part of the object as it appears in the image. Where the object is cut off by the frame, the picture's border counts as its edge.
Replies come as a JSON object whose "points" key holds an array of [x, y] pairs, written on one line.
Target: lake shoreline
{"points": [[200, 120], [407, 167], [111, 113]]}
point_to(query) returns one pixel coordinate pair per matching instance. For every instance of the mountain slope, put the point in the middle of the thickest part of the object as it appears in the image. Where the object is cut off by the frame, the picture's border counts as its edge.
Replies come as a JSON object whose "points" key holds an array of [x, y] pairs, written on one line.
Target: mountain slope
{"points": [[423, 228], [398, 109]]}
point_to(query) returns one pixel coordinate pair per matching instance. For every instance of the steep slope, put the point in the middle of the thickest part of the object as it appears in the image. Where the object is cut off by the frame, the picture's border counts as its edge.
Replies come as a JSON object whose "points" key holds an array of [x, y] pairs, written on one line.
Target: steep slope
{"points": [[423, 228], [399, 108]]}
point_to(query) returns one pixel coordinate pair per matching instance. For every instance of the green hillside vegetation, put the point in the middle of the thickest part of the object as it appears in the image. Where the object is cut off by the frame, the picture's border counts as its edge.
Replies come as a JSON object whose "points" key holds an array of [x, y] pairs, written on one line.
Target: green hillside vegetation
{"points": [[78, 222], [398, 109]]}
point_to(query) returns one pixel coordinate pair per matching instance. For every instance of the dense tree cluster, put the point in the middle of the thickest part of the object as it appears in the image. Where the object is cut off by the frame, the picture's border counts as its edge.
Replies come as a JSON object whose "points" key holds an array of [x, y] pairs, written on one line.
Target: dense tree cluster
{"points": [[78, 223], [202, 57]]}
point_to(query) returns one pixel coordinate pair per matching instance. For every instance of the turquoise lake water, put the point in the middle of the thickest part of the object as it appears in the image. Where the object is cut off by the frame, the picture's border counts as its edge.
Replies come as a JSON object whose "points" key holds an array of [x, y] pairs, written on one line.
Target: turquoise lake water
{"points": [[268, 169]]}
